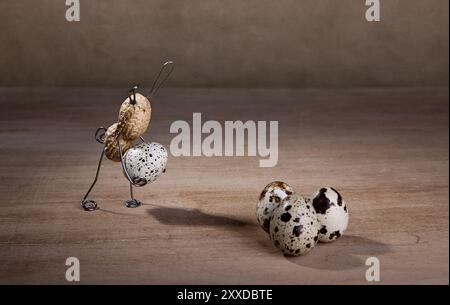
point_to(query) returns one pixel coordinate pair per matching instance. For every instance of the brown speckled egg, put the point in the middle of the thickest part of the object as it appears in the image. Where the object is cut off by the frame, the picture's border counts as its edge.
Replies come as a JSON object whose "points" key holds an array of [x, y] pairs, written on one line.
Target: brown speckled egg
{"points": [[270, 198], [294, 226]]}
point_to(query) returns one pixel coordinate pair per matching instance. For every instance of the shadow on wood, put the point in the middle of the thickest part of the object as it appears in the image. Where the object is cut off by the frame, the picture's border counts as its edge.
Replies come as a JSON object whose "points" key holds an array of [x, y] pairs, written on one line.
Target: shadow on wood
{"points": [[346, 253], [194, 217]]}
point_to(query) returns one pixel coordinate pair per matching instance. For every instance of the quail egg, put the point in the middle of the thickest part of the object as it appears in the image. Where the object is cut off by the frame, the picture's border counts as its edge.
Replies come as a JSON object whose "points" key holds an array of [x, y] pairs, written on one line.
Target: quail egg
{"points": [[332, 213], [146, 161], [294, 227], [270, 198]]}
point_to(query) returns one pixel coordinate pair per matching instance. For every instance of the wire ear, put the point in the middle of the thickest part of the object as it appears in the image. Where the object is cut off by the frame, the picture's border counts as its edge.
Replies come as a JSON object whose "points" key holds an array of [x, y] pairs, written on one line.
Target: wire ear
{"points": [[161, 78]]}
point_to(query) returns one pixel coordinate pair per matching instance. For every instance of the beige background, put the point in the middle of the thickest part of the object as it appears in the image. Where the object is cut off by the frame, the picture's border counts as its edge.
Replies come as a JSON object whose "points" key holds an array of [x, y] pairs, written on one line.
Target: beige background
{"points": [[217, 43]]}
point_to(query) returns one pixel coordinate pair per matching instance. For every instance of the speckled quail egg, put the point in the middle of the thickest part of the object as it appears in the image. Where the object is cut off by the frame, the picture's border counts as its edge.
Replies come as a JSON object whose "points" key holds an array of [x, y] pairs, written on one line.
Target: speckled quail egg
{"points": [[270, 198], [332, 213], [294, 227], [146, 161]]}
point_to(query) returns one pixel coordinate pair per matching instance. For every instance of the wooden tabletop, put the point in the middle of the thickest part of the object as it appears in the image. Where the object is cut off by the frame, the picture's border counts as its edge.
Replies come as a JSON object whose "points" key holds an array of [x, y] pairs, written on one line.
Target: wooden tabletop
{"points": [[385, 150]]}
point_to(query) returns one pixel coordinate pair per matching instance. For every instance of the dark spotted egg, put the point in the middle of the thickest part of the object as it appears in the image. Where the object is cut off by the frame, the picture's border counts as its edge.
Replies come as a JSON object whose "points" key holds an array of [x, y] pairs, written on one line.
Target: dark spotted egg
{"points": [[294, 227], [270, 198], [332, 213], [146, 161]]}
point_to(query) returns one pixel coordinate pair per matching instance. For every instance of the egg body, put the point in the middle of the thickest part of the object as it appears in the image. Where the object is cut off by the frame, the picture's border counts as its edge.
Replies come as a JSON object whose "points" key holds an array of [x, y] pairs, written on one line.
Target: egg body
{"points": [[294, 227], [146, 161], [270, 198], [332, 213]]}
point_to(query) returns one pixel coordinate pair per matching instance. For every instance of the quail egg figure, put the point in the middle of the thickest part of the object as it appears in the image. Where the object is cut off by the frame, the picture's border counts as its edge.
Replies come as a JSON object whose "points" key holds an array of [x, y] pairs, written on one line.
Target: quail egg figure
{"points": [[332, 213], [270, 198], [294, 227], [146, 161]]}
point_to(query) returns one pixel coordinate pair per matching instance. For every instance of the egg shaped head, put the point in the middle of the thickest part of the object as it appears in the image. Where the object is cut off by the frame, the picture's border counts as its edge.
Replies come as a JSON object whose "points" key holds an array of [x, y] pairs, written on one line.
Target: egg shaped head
{"points": [[134, 116]]}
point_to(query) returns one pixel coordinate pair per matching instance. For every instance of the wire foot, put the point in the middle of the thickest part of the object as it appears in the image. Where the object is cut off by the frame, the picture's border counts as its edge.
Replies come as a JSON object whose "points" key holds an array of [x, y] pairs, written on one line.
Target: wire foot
{"points": [[132, 203], [89, 205]]}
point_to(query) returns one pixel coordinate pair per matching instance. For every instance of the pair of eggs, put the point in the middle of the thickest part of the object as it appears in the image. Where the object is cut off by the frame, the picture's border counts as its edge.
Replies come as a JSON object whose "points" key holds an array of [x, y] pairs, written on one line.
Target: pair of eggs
{"points": [[296, 224]]}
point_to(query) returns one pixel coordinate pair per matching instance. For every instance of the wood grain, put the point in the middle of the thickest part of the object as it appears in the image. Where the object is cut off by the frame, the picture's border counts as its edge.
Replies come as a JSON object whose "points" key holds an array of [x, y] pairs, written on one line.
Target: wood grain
{"points": [[385, 150]]}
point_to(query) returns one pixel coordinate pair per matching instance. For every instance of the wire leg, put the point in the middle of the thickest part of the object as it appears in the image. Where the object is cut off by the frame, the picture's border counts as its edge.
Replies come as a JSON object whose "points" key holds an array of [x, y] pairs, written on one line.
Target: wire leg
{"points": [[87, 204], [131, 191], [133, 203]]}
